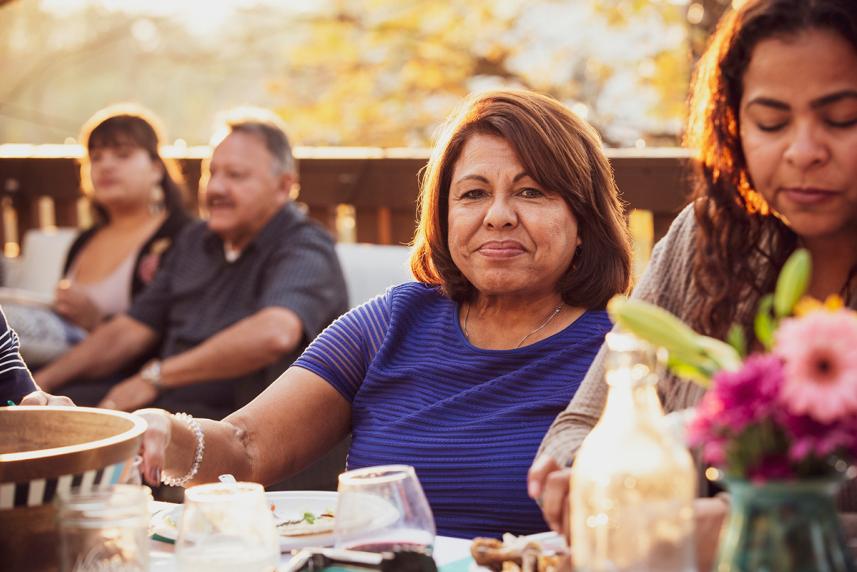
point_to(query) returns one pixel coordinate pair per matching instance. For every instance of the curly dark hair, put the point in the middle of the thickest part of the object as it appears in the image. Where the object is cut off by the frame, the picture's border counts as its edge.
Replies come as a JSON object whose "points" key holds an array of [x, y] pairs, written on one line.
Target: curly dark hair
{"points": [[562, 153], [740, 245]]}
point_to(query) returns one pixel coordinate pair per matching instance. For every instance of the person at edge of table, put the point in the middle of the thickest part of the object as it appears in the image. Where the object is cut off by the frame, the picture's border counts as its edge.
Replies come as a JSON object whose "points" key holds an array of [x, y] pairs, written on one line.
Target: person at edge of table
{"points": [[521, 243], [239, 297], [16, 382], [776, 128]]}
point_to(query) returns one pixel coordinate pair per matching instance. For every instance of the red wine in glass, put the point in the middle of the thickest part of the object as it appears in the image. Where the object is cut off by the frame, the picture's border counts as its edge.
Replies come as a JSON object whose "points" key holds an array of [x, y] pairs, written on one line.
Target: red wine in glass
{"points": [[390, 546]]}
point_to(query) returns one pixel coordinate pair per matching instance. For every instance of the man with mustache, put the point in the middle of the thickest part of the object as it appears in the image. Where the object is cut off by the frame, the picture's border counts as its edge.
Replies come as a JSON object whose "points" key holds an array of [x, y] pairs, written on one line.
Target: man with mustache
{"points": [[238, 298]]}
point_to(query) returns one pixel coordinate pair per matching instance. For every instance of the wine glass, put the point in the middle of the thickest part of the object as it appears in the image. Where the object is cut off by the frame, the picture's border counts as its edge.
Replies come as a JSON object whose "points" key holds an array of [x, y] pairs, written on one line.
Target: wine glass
{"points": [[227, 526], [383, 509]]}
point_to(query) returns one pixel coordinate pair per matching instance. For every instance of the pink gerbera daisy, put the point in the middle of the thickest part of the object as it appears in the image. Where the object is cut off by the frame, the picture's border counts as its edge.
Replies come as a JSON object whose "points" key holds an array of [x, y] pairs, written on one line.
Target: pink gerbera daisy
{"points": [[820, 354]]}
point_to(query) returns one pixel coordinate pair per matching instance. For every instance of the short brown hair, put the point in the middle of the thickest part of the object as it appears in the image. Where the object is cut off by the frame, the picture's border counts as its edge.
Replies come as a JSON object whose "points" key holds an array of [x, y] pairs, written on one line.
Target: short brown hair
{"points": [[264, 125], [562, 153]]}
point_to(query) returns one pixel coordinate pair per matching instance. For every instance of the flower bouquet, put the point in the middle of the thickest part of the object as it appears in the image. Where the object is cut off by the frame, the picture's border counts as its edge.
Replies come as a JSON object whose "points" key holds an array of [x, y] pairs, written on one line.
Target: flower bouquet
{"points": [[779, 423]]}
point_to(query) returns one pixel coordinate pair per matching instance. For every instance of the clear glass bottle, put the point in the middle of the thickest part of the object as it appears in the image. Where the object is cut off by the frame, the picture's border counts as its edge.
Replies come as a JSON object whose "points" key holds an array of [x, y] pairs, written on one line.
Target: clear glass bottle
{"points": [[632, 484]]}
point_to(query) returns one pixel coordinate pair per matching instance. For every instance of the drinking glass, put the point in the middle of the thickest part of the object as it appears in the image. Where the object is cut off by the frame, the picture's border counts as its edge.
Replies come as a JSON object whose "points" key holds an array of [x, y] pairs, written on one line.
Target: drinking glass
{"points": [[383, 509], [226, 527], [104, 529]]}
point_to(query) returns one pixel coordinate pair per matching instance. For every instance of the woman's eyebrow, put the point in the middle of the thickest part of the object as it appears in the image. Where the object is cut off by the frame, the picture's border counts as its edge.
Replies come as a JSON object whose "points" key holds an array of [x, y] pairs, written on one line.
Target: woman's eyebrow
{"points": [[769, 102], [481, 179], [834, 98]]}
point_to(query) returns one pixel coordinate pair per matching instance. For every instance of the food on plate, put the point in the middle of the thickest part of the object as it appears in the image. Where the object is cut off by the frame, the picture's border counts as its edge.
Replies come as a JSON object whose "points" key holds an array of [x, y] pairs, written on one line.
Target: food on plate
{"points": [[304, 524], [518, 554], [288, 524]]}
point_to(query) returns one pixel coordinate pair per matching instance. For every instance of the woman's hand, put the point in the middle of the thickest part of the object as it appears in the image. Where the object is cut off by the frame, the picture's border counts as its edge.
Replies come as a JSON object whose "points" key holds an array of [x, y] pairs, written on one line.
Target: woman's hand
{"points": [[42, 398], [548, 485], [156, 439], [73, 304]]}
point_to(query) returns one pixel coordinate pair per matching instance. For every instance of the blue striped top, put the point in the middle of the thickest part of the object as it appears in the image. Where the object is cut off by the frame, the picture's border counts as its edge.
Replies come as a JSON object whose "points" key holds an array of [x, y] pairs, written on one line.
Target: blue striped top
{"points": [[469, 420]]}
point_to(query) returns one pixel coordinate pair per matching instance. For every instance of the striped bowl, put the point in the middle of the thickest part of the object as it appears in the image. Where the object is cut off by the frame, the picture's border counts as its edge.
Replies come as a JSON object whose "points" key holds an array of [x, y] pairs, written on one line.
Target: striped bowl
{"points": [[44, 450]]}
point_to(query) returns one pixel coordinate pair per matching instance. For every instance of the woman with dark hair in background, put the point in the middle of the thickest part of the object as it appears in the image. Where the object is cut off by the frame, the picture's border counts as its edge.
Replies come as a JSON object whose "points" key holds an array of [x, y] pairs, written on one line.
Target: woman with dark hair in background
{"points": [[138, 205], [774, 121]]}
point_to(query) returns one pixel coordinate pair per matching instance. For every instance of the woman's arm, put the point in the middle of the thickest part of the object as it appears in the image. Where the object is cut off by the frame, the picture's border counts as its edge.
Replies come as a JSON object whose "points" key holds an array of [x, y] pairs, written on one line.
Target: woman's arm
{"points": [[293, 422]]}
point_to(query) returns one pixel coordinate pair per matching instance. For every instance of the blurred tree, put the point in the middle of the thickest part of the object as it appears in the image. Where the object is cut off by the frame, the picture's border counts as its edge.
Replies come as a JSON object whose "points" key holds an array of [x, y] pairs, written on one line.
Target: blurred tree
{"points": [[703, 16], [60, 67], [382, 72], [346, 72]]}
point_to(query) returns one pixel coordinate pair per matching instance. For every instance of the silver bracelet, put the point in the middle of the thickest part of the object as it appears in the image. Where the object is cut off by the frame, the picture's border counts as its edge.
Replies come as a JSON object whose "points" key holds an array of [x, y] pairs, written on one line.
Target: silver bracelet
{"points": [[194, 426]]}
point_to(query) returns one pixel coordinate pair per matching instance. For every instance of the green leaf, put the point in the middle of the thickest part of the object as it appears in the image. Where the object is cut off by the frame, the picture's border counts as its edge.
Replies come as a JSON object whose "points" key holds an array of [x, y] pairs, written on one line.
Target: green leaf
{"points": [[653, 324], [690, 372], [764, 325], [309, 517], [792, 282], [721, 353], [737, 339]]}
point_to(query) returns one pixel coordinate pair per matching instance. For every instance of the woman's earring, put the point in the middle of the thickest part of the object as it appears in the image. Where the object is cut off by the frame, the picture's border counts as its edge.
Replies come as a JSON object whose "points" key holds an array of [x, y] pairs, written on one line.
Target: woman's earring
{"points": [[156, 205]]}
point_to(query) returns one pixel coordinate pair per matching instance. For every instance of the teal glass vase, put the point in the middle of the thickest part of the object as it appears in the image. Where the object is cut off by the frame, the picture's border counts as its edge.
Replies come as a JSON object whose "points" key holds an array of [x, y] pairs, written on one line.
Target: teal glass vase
{"points": [[788, 526]]}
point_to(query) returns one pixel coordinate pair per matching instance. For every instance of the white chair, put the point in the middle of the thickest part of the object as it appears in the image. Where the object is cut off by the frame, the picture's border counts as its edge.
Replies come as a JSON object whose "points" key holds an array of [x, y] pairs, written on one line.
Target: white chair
{"points": [[39, 267], [372, 268]]}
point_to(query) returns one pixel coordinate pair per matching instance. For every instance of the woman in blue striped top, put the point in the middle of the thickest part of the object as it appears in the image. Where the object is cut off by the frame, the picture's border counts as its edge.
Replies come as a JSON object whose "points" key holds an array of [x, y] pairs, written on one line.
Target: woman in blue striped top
{"points": [[521, 243]]}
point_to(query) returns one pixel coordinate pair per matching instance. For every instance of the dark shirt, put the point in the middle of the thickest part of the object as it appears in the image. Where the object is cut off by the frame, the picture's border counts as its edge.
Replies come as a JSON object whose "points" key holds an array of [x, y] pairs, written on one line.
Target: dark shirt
{"points": [[15, 378], [152, 253], [291, 263]]}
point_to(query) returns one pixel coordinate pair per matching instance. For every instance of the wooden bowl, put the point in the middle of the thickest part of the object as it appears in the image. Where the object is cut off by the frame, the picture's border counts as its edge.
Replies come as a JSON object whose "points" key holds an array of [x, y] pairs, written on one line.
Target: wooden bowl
{"points": [[46, 449]]}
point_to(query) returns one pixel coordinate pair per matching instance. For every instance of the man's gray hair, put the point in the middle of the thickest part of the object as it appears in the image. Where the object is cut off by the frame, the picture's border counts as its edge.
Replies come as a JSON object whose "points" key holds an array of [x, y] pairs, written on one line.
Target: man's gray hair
{"points": [[265, 125]]}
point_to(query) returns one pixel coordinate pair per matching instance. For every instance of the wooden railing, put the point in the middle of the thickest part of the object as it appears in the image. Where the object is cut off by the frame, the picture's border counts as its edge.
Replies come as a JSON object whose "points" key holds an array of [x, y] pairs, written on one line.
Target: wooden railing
{"points": [[367, 195]]}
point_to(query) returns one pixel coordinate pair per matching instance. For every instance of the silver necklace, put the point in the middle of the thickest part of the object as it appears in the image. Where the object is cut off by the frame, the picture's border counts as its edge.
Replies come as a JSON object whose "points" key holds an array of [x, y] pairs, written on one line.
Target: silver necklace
{"points": [[540, 327]]}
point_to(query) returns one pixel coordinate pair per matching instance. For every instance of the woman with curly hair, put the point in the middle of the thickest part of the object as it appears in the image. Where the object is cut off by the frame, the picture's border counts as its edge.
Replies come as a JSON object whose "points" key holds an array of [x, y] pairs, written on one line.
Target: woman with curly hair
{"points": [[774, 120]]}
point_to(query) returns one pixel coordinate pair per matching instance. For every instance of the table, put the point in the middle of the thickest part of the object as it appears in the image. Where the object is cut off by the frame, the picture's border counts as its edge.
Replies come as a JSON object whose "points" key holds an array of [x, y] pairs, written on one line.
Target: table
{"points": [[451, 554]]}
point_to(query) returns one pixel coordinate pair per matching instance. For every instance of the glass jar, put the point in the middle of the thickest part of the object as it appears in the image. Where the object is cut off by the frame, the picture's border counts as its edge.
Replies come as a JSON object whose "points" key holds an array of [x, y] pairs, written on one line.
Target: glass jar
{"points": [[104, 530], [226, 527], [783, 526], [632, 484]]}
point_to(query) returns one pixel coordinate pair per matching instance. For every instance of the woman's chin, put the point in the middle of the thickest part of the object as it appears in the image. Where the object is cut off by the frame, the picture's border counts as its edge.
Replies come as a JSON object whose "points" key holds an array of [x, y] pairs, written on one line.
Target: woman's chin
{"points": [[506, 286]]}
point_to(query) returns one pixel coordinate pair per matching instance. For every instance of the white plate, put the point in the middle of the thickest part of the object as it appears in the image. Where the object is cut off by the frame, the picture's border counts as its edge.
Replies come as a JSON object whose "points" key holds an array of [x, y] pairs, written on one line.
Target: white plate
{"points": [[288, 505]]}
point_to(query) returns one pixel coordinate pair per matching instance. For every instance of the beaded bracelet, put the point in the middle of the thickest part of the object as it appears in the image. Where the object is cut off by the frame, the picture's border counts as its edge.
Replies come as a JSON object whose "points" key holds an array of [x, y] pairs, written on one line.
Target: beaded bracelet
{"points": [[194, 426]]}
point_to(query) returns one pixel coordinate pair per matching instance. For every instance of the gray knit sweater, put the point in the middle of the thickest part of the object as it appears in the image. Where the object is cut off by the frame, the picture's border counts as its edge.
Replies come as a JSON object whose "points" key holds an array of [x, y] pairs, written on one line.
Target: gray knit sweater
{"points": [[668, 283]]}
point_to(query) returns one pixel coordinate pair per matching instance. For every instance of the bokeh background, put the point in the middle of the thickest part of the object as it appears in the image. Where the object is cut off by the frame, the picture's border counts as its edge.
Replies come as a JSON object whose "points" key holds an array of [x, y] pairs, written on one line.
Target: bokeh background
{"points": [[346, 73]]}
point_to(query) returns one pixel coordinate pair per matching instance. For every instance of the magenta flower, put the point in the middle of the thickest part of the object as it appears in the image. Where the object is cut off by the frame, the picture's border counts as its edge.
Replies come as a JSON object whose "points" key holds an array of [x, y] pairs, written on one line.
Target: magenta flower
{"points": [[704, 429], [749, 394], [820, 354], [703, 426], [811, 439]]}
